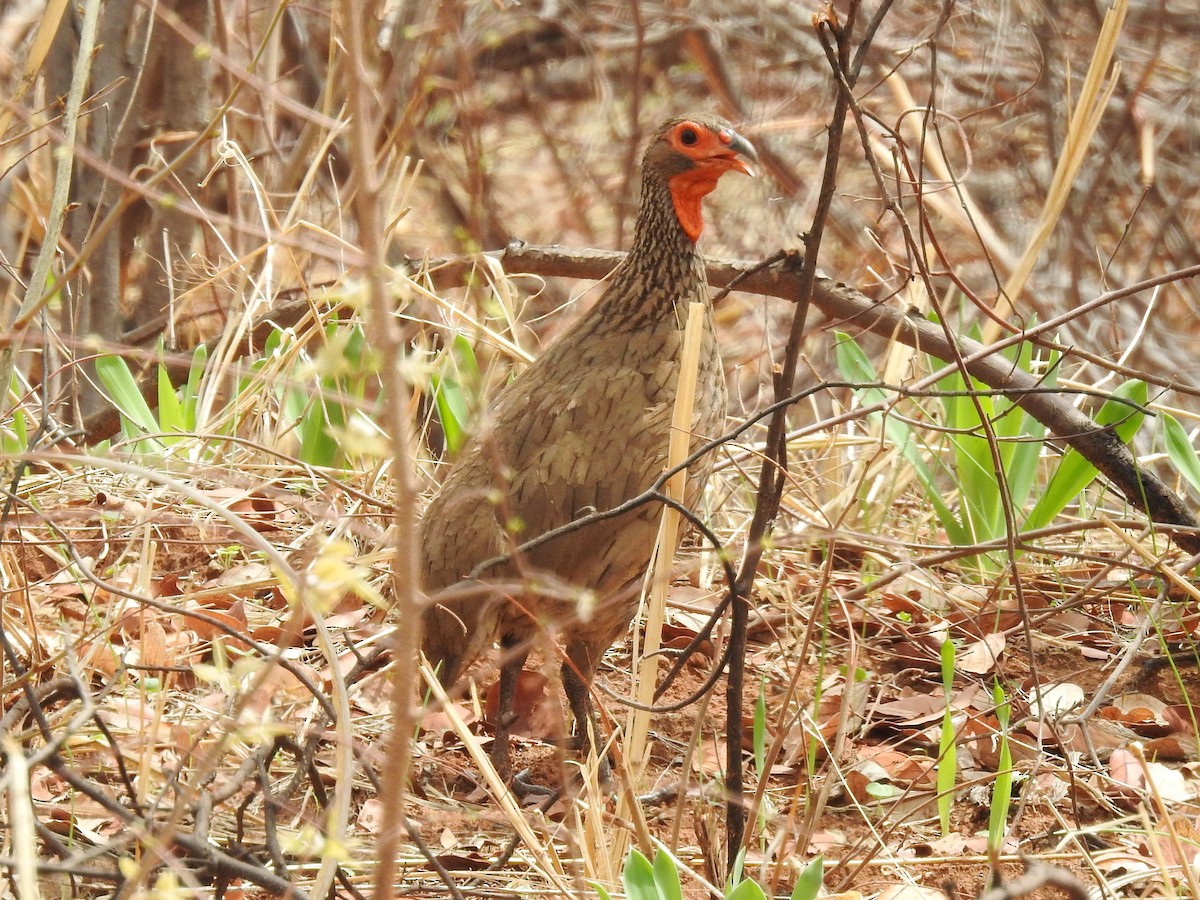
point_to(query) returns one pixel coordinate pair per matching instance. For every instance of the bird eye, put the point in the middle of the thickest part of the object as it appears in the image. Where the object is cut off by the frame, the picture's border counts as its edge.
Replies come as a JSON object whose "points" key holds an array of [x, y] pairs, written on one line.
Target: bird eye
{"points": [[688, 137]]}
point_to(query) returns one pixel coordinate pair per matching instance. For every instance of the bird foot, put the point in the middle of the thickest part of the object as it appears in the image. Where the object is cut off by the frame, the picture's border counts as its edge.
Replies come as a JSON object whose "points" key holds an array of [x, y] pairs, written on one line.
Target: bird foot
{"points": [[522, 787], [604, 774], [583, 747]]}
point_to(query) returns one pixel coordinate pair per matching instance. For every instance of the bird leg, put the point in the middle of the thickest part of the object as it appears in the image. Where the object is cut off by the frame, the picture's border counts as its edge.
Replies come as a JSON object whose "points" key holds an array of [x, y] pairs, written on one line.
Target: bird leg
{"points": [[586, 728], [513, 655]]}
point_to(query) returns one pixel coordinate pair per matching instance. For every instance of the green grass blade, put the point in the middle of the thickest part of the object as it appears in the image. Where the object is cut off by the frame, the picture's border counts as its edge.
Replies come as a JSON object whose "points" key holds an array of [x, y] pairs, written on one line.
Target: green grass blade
{"points": [[974, 468], [191, 390], [452, 389], [666, 877], [638, 877], [1025, 435], [808, 885], [746, 890], [19, 442], [451, 404], [170, 410], [1180, 450], [735, 877], [948, 656], [317, 445], [1074, 473], [122, 389], [293, 406], [14, 438], [947, 765], [1002, 789]]}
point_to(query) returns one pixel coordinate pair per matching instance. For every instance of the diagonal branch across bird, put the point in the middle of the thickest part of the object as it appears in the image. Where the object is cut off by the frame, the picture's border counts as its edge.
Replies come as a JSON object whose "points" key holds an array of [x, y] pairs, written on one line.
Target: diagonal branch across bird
{"points": [[585, 427]]}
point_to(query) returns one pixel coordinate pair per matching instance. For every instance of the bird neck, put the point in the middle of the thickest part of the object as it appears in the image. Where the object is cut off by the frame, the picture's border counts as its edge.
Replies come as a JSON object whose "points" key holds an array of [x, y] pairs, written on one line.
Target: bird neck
{"points": [[665, 269]]}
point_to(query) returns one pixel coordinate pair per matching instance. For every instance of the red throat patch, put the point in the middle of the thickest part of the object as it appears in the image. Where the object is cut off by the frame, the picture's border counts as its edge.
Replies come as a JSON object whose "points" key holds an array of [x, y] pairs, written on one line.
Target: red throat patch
{"points": [[687, 190]]}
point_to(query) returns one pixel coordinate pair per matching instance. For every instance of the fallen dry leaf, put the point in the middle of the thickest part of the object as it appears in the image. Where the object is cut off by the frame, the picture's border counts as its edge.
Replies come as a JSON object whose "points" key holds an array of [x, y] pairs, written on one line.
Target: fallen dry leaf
{"points": [[981, 656], [539, 714], [370, 816], [1056, 699], [910, 892], [953, 844]]}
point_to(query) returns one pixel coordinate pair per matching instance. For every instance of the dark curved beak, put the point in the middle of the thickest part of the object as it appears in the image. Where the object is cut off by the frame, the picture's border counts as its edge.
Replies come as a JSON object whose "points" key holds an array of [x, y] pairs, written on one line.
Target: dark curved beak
{"points": [[739, 145], [744, 147]]}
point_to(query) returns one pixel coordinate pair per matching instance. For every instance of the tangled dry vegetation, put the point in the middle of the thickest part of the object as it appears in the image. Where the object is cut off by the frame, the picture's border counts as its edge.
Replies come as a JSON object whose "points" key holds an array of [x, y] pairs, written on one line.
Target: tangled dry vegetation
{"points": [[257, 276]]}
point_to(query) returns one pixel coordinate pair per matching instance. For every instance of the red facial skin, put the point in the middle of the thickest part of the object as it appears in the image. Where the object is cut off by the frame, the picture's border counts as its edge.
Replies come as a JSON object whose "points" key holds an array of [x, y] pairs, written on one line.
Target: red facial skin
{"points": [[713, 153]]}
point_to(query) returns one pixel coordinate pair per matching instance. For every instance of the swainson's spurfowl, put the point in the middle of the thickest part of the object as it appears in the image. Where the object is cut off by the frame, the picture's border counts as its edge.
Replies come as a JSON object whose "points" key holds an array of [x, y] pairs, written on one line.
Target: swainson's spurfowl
{"points": [[583, 429]]}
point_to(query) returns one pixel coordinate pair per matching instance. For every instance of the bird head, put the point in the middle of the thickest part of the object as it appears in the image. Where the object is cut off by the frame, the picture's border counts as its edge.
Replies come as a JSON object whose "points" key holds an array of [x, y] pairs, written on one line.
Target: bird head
{"points": [[692, 153]]}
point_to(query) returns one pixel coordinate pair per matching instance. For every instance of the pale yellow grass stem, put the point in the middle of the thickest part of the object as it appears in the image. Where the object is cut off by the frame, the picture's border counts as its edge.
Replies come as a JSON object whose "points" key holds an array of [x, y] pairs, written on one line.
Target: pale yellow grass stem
{"points": [[646, 669], [36, 295], [22, 833], [1093, 99], [1151, 559]]}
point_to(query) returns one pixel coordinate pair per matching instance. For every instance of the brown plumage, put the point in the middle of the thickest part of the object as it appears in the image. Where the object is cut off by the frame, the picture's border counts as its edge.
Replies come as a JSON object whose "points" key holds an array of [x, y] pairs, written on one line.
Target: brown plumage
{"points": [[583, 429]]}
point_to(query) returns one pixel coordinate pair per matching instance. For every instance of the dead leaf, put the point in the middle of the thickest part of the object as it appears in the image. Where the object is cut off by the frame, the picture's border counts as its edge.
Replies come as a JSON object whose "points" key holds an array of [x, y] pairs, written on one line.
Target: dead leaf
{"points": [[981, 657], [279, 686], [1180, 718], [1056, 699], [910, 892], [370, 817], [901, 768], [460, 862], [1119, 861], [255, 507], [436, 721], [1170, 783], [829, 839], [153, 645], [953, 844], [538, 712], [914, 708], [678, 637], [1125, 772], [1184, 850], [1141, 712], [208, 630], [245, 579], [709, 758], [918, 654]]}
